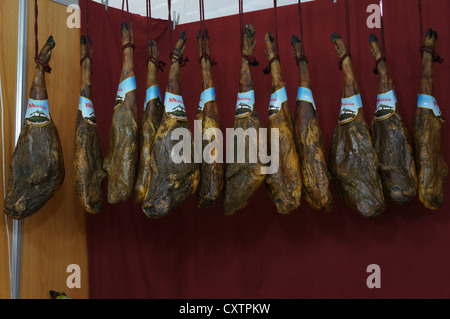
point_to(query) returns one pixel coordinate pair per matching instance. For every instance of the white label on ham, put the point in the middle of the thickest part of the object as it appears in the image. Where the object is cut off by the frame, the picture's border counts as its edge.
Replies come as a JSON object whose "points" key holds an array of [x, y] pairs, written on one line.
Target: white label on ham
{"points": [[349, 108], [305, 94], [276, 100], [174, 106], [245, 103], [37, 113], [151, 94], [386, 105], [429, 102], [207, 95], [87, 110], [126, 86]]}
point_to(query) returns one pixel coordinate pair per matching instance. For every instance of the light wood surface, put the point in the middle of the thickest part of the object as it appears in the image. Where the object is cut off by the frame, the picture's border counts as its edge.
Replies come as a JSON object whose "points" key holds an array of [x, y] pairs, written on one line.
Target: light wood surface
{"points": [[8, 64], [54, 237]]}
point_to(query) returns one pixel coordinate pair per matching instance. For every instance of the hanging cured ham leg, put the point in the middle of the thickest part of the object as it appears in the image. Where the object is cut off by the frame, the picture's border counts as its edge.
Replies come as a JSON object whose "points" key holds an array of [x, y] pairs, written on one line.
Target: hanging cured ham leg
{"points": [[37, 164], [309, 142], [390, 138], [174, 176], [211, 171], [151, 118], [431, 165], [242, 180], [353, 161], [284, 186], [120, 158], [88, 172]]}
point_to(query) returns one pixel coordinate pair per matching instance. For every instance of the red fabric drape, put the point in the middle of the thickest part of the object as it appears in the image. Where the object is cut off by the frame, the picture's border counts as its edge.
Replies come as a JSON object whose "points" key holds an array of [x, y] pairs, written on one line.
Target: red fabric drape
{"points": [[257, 253]]}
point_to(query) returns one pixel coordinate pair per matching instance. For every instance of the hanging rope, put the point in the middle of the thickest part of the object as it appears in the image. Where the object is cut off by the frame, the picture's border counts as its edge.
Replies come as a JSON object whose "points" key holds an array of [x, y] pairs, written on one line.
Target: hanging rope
{"points": [[277, 56], [203, 35], [36, 42], [172, 55], [149, 20], [123, 11], [159, 64], [419, 3], [432, 51], [170, 27], [37, 59], [383, 44], [87, 19], [425, 48], [128, 20], [302, 56], [347, 25], [347, 32], [251, 59], [87, 54]]}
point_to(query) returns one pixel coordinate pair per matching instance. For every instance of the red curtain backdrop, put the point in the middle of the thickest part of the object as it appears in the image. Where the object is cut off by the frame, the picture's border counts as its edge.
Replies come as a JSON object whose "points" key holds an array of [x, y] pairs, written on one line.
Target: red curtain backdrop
{"points": [[256, 253]]}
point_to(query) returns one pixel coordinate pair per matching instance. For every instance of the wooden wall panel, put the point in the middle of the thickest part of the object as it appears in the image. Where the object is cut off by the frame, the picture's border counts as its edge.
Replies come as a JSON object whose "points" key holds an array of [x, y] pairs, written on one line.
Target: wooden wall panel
{"points": [[54, 237], [8, 64]]}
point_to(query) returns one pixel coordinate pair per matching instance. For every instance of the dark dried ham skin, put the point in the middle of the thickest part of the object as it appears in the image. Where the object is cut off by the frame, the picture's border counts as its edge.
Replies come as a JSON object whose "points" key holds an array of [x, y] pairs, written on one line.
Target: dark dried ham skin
{"points": [[151, 119], [391, 142], [430, 162], [120, 159], [170, 183], [353, 163], [211, 174], [37, 163], [309, 143], [88, 172], [242, 180], [285, 186]]}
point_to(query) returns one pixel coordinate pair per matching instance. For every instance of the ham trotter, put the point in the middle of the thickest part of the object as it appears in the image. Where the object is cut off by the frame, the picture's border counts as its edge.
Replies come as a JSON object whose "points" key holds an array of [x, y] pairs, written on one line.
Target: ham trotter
{"points": [[174, 177], [242, 180], [151, 118], [430, 162], [88, 173], [353, 162], [37, 165], [390, 137], [284, 186], [120, 158], [211, 170], [308, 139]]}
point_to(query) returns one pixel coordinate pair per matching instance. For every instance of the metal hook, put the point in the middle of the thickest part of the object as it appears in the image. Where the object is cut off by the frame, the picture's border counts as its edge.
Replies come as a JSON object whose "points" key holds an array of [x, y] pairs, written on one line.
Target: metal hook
{"points": [[105, 2], [176, 21]]}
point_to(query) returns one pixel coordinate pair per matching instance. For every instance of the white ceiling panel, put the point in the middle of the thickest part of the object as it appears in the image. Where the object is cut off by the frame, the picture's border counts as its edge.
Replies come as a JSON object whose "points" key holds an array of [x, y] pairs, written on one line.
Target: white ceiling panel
{"points": [[188, 10]]}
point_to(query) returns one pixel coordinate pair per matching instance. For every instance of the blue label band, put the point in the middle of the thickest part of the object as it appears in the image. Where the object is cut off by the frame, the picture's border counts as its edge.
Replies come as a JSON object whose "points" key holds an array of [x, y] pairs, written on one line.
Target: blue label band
{"points": [[37, 113], [87, 110], [349, 108], [429, 102], [386, 105], [174, 106], [276, 100], [305, 94], [126, 86], [151, 94], [207, 95], [244, 104]]}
